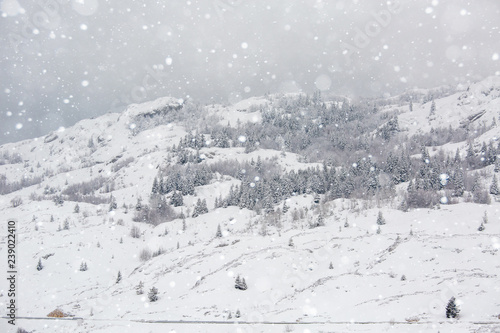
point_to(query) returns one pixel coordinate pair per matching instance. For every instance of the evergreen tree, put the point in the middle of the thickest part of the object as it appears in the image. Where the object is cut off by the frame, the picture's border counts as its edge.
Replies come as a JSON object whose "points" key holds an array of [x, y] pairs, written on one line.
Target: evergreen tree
{"points": [[83, 266], [153, 294], [240, 284], [200, 207], [452, 310], [184, 226], [379, 230], [494, 186], [139, 289], [331, 265], [290, 242], [238, 314], [458, 184], [497, 165], [485, 217], [66, 224], [380, 219], [346, 224], [112, 203], [411, 105], [138, 205], [481, 227], [471, 155], [285, 207], [218, 234], [155, 188], [403, 277], [433, 108], [119, 277], [76, 209], [177, 200], [39, 267]]}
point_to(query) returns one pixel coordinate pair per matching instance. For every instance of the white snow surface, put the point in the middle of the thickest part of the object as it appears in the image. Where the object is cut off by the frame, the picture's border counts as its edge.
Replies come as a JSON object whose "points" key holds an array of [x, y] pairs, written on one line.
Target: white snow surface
{"points": [[290, 288]]}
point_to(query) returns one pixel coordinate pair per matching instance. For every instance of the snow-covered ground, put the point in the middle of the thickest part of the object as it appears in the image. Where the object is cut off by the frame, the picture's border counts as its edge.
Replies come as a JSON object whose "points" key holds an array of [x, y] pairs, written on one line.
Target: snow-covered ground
{"points": [[291, 287]]}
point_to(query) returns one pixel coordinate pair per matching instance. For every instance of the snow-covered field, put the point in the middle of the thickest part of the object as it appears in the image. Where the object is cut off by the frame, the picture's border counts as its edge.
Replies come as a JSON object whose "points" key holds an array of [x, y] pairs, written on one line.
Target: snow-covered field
{"points": [[342, 277]]}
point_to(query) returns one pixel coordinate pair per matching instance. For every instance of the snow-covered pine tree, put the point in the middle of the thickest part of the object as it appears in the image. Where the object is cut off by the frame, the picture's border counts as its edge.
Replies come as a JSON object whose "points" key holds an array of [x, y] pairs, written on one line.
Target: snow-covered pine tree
{"points": [[138, 205], [153, 294], [176, 200], [76, 209], [433, 108], [119, 277], [218, 234], [452, 311], [112, 203], [458, 184], [494, 186], [285, 207], [83, 266], [66, 224], [238, 314], [380, 219], [155, 188], [331, 265], [139, 289], [290, 242], [39, 267], [481, 227], [240, 284]]}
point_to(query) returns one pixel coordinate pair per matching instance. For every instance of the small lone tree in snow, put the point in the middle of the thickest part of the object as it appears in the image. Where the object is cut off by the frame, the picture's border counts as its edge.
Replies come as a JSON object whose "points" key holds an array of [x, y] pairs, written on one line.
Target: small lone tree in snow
{"points": [[119, 277], [452, 310], [331, 265], [66, 224], [83, 266], [76, 209], [218, 234], [481, 227], [346, 224], [485, 217], [380, 219], [403, 277], [237, 314], [39, 267], [379, 230], [153, 294], [240, 284], [290, 242], [139, 289]]}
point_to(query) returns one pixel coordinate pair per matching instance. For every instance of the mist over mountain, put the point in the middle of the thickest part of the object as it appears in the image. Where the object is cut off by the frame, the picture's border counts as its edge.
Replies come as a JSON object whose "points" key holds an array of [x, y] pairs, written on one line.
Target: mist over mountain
{"points": [[62, 61]]}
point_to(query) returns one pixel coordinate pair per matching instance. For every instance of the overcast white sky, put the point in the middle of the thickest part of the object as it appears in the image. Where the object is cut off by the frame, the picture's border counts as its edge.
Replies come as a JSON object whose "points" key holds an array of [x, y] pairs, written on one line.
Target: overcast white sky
{"points": [[65, 60]]}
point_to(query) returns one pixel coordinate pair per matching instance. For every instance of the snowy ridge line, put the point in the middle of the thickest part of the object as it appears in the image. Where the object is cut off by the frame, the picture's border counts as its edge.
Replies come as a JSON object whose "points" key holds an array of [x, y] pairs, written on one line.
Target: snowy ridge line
{"points": [[241, 322]]}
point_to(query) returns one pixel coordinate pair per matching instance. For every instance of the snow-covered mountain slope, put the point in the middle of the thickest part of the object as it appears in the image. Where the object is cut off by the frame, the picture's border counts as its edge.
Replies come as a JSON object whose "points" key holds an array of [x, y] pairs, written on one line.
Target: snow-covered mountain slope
{"points": [[478, 103], [348, 275]]}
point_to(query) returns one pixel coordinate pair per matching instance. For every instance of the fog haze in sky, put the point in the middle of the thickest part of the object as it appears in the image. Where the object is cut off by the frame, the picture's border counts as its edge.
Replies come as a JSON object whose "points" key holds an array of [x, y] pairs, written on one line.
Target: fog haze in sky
{"points": [[65, 60]]}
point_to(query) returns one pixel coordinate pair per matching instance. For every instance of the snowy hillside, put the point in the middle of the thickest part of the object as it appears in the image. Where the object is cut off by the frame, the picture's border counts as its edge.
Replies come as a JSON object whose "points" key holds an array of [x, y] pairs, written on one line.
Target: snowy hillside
{"points": [[336, 217]]}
